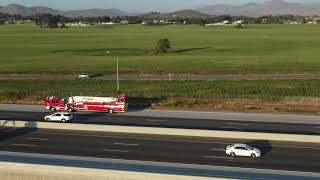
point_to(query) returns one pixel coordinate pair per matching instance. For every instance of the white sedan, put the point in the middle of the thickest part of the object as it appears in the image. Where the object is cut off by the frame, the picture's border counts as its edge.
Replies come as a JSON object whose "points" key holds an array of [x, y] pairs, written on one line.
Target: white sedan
{"points": [[61, 117], [83, 76], [243, 150]]}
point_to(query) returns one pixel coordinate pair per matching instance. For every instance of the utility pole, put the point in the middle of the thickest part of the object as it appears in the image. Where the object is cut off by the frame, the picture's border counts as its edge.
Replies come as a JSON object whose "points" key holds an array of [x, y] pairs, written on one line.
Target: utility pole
{"points": [[118, 84]]}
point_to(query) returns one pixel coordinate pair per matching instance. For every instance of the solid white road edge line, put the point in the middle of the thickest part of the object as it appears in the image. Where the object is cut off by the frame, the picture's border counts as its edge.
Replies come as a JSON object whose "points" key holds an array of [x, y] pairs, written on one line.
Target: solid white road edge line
{"points": [[38, 139], [29, 145], [126, 144]]}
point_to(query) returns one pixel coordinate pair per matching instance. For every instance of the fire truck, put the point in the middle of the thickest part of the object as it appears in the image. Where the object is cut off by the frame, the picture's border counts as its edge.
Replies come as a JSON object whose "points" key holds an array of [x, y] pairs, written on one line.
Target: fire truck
{"points": [[85, 103]]}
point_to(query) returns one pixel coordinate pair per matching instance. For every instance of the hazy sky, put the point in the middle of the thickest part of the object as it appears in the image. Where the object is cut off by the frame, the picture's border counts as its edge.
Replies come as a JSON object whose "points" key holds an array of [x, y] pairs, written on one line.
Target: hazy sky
{"points": [[131, 5]]}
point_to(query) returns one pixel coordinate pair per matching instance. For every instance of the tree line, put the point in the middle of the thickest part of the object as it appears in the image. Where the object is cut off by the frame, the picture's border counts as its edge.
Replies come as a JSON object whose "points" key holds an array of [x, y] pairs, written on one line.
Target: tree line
{"points": [[55, 21]]}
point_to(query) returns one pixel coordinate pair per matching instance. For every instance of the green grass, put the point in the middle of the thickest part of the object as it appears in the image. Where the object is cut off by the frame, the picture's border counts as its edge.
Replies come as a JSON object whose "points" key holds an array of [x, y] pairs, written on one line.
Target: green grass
{"points": [[256, 49], [183, 90]]}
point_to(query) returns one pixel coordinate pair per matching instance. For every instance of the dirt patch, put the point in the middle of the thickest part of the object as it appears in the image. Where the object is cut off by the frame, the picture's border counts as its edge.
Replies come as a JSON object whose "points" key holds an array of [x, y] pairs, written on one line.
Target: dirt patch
{"points": [[301, 106]]}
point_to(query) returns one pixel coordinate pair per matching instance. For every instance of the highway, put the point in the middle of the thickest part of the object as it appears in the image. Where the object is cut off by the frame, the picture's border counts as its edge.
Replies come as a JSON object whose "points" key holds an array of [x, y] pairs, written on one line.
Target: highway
{"points": [[186, 123], [303, 157]]}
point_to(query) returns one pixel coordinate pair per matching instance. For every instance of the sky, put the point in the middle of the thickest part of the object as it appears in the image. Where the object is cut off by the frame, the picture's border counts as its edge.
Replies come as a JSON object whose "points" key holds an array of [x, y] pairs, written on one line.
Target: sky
{"points": [[132, 5]]}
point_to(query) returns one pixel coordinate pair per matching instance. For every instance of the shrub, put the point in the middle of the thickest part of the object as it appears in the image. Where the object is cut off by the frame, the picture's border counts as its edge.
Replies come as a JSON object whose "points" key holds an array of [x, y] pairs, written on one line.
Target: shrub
{"points": [[163, 46]]}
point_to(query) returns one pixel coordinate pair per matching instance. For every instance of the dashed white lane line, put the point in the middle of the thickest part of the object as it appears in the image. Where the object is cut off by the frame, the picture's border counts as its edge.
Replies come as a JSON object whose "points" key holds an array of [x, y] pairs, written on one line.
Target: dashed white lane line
{"points": [[28, 145], [126, 144], [217, 157], [217, 149], [171, 140], [240, 124], [113, 150], [38, 139], [136, 138]]}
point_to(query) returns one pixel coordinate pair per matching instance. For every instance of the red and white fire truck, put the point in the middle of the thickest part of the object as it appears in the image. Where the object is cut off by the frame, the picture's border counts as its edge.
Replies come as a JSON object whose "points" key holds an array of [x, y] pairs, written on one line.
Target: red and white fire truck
{"points": [[84, 103]]}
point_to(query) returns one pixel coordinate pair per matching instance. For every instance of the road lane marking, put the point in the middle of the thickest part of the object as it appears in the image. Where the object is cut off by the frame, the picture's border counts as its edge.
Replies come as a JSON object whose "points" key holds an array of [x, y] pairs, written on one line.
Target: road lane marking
{"points": [[153, 120], [126, 144], [113, 150], [227, 127], [12, 114], [217, 157], [317, 148], [38, 139], [173, 140], [240, 124], [28, 145], [217, 149], [148, 124], [151, 139]]}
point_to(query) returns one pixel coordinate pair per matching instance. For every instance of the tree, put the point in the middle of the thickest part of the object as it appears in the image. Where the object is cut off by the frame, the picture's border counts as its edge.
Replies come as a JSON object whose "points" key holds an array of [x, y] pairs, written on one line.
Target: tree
{"points": [[163, 46], [47, 20]]}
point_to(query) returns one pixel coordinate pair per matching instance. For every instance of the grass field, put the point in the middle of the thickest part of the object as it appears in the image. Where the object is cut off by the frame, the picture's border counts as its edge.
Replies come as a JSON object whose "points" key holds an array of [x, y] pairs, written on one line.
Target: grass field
{"points": [[257, 49]]}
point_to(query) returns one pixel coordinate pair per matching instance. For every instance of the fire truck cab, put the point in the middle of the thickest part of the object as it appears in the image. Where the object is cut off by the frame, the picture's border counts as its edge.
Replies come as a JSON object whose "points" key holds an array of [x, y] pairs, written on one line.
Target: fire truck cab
{"points": [[55, 104]]}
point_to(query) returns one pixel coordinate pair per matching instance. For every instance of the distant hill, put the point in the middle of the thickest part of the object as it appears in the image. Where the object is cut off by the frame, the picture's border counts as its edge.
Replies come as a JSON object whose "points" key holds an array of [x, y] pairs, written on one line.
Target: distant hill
{"points": [[188, 13], [95, 13], [29, 11], [25, 11], [272, 7]]}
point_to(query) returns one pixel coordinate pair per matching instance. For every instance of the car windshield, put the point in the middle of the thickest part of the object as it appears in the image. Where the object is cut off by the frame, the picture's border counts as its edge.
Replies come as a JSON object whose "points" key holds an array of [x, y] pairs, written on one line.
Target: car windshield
{"points": [[249, 147]]}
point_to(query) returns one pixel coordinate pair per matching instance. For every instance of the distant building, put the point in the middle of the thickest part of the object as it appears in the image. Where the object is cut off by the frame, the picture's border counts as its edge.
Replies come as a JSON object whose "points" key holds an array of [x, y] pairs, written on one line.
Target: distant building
{"points": [[107, 23], [239, 22], [77, 24], [124, 22]]}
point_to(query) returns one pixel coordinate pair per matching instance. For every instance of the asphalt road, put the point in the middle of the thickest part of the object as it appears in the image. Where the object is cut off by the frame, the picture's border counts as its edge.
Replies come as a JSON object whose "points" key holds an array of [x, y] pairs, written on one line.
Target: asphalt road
{"points": [[165, 77], [185, 123], [304, 157]]}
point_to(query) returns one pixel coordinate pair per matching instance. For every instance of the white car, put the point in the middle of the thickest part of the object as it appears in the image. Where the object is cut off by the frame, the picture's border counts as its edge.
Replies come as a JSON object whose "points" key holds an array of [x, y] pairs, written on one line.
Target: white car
{"points": [[83, 76], [243, 150], [61, 117]]}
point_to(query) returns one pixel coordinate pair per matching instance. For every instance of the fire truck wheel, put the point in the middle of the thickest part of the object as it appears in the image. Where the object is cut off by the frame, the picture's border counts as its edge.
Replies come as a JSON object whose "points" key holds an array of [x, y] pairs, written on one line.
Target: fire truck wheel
{"points": [[52, 109], [70, 110], [111, 111]]}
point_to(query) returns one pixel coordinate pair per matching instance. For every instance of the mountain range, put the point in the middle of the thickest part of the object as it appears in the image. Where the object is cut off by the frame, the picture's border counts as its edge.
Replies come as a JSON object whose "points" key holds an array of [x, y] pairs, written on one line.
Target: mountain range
{"points": [[272, 7], [29, 11]]}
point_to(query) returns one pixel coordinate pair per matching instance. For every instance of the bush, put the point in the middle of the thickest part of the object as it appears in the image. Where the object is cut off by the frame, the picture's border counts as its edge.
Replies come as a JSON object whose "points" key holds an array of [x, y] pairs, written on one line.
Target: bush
{"points": [[163, 46], [240, 26]]}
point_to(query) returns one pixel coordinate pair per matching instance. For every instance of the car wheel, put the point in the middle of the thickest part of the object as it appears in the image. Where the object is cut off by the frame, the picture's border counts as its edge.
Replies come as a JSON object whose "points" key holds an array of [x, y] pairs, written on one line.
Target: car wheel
{"points": [[48, 119], [63, 120], [52, 109], [111, 111], [253, 156], [232, 154]]}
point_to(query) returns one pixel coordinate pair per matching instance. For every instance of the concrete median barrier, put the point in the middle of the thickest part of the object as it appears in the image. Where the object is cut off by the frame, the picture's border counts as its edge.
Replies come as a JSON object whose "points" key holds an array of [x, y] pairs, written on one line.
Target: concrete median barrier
{"points": [[163, 131]]}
